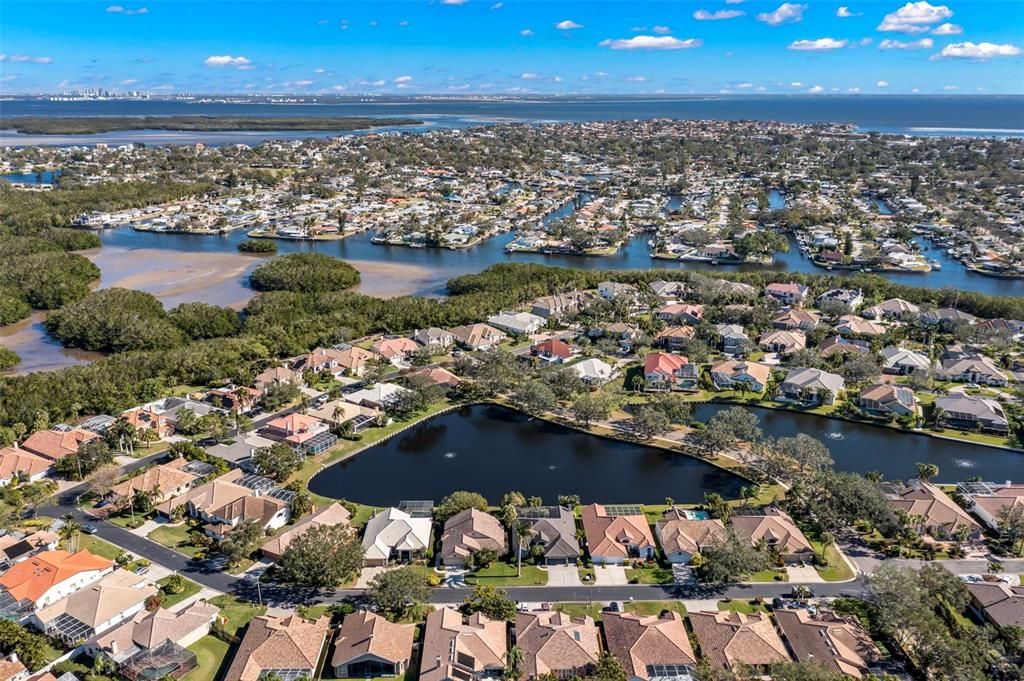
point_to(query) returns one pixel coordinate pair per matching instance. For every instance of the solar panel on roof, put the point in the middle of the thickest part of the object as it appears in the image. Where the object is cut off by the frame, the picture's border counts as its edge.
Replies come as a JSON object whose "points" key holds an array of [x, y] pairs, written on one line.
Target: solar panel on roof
{"points": [[623, 509]]}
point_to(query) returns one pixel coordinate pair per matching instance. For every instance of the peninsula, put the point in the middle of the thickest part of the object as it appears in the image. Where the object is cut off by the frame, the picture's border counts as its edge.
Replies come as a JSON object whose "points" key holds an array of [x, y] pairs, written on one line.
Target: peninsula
{"points": [[90, 125]]}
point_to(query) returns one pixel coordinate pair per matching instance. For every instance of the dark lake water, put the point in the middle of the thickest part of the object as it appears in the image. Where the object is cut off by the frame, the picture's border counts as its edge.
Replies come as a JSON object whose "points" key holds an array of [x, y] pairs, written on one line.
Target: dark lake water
{"points": [[491, 450]]}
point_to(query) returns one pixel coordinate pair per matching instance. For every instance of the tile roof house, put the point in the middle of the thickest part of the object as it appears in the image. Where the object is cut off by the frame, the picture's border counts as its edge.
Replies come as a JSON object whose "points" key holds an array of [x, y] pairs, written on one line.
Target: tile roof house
{"points": [[777, 530], [553, 529], [1001, 604], [787, 293], [436, 375], [681, 538], [663, 371], [353, 360], [55, 444], [894, 308], [96, 607], [903, 362], [552, 351], [613, 538], [150, 421], [49, 576], [519, 323], [328, 516], [164, 481], [394, 534], [369, 646], [996, 500], [810, 386], [727, 639], [684, 313], [675, 337], [852, 325], [559, 305], [376, 396], [478, 336], [21, 464], [470, 531], [457, 649], [555, 643], [940, 516], [849, 298], [593, 371], [305, 434], [12, 669], [268, 513], [275, 375], [279, 644], [643, 644], [782, 342], [732, 338], [15, 547], [733, 374], [842, 347], [148, 630], [976, 369], [395, 349], [968, 413], [885, 399], [434, 338], [795, 319], [212, 495], [838, 644]]}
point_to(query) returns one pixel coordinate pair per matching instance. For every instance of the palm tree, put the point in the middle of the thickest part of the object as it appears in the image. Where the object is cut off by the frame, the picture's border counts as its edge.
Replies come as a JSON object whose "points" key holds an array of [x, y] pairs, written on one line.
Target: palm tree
{"points": [[826, 540], [513, 664], [749, 493], [522, 534], [70, 532]]}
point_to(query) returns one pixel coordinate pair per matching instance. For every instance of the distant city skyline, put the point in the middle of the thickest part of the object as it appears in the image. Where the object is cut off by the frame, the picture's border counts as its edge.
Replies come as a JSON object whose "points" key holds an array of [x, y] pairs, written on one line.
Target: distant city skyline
{"points": [[513, 47]]}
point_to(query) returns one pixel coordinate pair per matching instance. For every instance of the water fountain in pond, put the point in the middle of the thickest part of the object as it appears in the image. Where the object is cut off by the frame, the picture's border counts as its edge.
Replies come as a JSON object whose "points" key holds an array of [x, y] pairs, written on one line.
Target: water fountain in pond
{"points": [[963, 463], [449, 455]]}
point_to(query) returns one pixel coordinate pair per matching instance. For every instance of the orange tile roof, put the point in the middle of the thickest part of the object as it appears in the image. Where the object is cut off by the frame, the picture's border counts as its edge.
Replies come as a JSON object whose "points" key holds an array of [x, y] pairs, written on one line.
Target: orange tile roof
{"points": [[15, 461], [32, 578], [56, 444]]}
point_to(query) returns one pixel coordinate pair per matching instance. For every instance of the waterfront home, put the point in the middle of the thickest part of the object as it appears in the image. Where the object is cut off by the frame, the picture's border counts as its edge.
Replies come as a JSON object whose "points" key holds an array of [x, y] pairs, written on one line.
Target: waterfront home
{"points": [[903, 362], [593, 372], [328, 516], [947, 317], [369, 646], [893, 308], [810, 387], [844, 347], [553, 529], [377, 396], [555, 644], [468, 532], [275, 375], [940, 516], [782, 342], [729, 640], [682, 536], [852, 325], [989, 500], [675, 338], [646, 646], [57, 442], [791, 294], [95, 608], [559, 305], [161, 483], [681, 313], [842, 298], [339, 411], [732, 339], [998, 602], [289, 647], [47, 577], [887, 399], [462, 649], [213, 494], [306, 434], [20, 464], [478, 336], [613, 290], [266, 512], [395, 350], [434, 338], [840, 645], [517, 323], [775, 528], [393, 534], [973, 369], [663, 371], [613, 535], [973, 413], [552, 351], [736, 374], [795, 319]]}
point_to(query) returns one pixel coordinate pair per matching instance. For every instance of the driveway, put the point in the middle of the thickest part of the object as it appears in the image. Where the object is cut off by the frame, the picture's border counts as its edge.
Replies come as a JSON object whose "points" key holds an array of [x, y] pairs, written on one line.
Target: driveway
{"points": [[563, 575], [610, 575], [803, 575]]}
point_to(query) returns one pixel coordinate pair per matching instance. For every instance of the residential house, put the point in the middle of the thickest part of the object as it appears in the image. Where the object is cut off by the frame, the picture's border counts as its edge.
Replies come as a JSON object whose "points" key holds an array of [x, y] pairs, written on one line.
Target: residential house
{"points": [[377, 396], [16, 547], [989, 501], [395, 350], [266, 512], [328, 516], [947, 317], [47, 577], [12, 669], [682, 536], [593, 372], [973, 413], [434, 338], [319, 361], [339, 411], [369, 646], [940, 516], [840, 645], [213, 494], [517, 323], [730, 639], [843, 347], [773, 527], [161, 482], [435, 375], [903, 362], [625, 333], [553, 643], [735, 374], [306, 434], [552, 351], [478, 336], [894, 308], [852, 325], [169, 409], [286, 646], [663, 371], [782, 342], [810, 387], [395, 535], [613, 290], [95, 607], [462, 649], [614, 537], [791, 294], [850, 299], [275, 375], [795, 319], [149, 421], [239, 399], [974, 369], [56, 443], [675, 338], [681, 313], [20, 464], [998, 602], [470, 531], [887, 399], [647, 646], [239, 451], [1008, 328], [559, 305], [668, 290], [732, 339], [353, 360], [553, 530]]}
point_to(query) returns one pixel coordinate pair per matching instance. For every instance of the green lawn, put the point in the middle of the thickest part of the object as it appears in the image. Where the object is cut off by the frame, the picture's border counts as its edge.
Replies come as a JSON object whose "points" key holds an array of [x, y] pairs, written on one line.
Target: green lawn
{"points": [[211, 654], [503, 574], [746, 607], [837, 570], [650, 575], [768, 576], [175, 537], [236, 613], [171, 600], [580, 609], [126, 521], [97, 546], [647, 608]]}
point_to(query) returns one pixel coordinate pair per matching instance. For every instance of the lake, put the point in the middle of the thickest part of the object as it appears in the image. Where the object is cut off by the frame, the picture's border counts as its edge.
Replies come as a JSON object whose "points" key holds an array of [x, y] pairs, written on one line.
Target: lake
{"points": [[491, 450]]}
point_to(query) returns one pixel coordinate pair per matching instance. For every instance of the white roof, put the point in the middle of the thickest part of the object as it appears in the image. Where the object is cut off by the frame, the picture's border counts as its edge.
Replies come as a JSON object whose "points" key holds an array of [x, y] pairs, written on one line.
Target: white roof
{"points": [[592, 368], [380, 393], [395, 530]]}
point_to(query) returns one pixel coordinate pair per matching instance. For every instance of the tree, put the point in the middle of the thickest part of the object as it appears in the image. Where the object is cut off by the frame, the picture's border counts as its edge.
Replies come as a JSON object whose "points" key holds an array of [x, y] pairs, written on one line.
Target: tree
{"points": [[590, 407], [69, 533], [927, 471], [32, 649], [90, 456], [726, 428], [534, 397], [1011, 524], [800, 457], [564, 382], [649, 422], [457, 502], [860, 367], [494, 603], [243, 540], [323, 556], [513, 664], [674, 406], [304, 272], [717, 507], [395, 593], [175, 584], [278, 461], [608, 669], [731, 560]]}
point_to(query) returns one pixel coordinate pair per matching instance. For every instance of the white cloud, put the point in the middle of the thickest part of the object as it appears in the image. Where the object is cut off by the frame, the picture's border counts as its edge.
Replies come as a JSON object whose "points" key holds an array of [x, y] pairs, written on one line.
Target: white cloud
{"points": [[915, 90], [922, 44], [796, 83], [819, 45], [787, 13], [403, 23], [130, 81], [454, 2], [950, 87], [947, 29], [864, 42], [744, 86], [845, 13], [302, 83], [977, 51], [567, 25], [882, 83], [402, 79], [661, 30], [718, 15], [497, 5], [915, 17], [651, 42], [853, 90], [531, 76], [8, 78], [120, 9], [635, 79], [815, 90], [526, 33], [25, 59], [596, 75], [221, 61]]}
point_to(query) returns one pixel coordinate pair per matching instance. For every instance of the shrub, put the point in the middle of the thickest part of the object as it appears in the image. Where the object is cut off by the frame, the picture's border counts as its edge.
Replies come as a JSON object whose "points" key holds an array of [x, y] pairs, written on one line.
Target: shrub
{"points": [[257, 246]]}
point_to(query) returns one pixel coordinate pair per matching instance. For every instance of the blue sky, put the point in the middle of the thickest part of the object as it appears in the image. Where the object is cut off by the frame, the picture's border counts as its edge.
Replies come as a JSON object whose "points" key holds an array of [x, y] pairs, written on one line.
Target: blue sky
{"points": [[513, 46]]}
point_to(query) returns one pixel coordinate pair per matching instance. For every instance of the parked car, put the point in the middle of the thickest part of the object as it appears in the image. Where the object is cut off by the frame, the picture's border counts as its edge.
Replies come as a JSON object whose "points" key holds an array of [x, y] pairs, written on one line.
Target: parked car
{"points": [[90, 529]]}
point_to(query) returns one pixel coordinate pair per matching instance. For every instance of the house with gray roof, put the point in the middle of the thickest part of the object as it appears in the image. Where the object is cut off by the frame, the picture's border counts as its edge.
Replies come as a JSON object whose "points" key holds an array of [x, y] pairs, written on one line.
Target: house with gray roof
{"points": [[973, 413], [553, 530], [810, 387], [903, 362]]}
